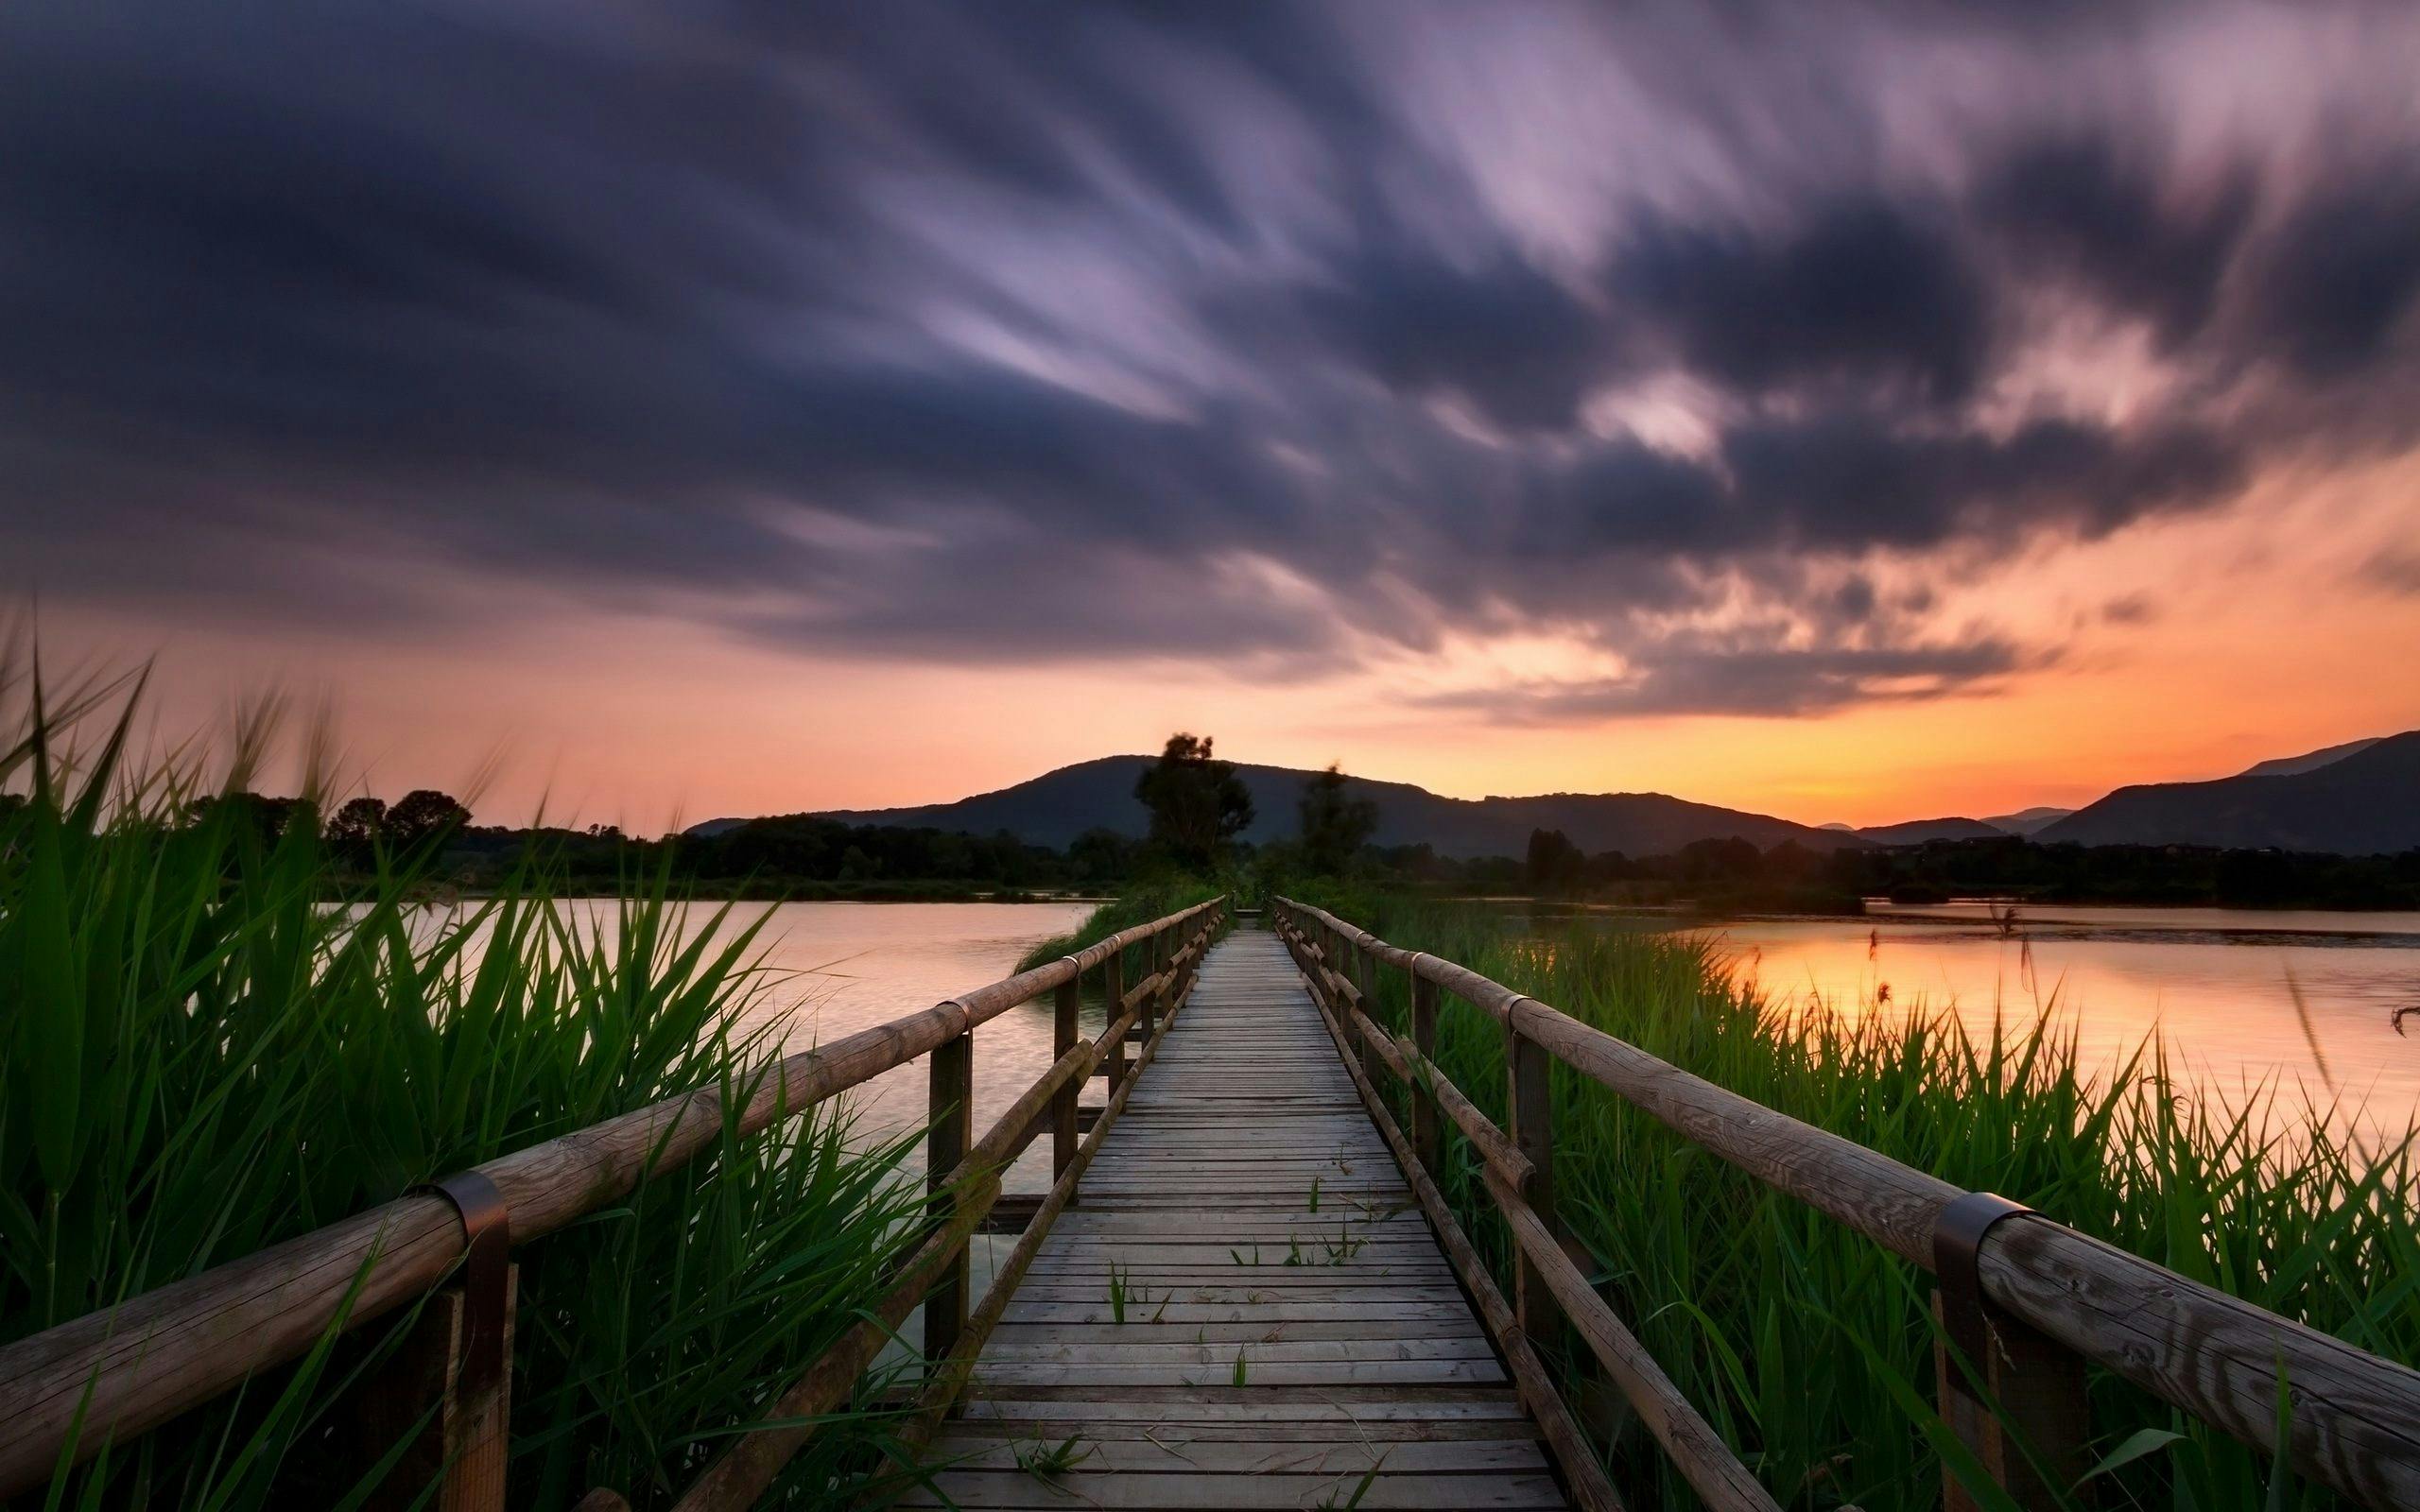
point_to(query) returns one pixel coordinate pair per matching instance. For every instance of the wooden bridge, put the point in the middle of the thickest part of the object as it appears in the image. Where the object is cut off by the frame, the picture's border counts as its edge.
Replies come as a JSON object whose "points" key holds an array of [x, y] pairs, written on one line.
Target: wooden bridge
{"points": [[1243, 1288], [1285, 1325]]}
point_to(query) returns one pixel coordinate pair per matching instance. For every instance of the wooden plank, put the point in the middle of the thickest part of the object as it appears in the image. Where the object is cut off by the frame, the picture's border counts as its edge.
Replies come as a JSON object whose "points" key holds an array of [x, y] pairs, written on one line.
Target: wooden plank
{"points": [[1076, 1347], [1178, 1455], [1218, 1493], [1189, 1431]]}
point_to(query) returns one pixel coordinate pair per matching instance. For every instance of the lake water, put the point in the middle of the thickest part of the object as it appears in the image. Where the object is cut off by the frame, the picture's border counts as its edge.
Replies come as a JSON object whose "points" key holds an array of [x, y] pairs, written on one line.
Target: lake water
{"points": [[2219, 985], [840, 967]]}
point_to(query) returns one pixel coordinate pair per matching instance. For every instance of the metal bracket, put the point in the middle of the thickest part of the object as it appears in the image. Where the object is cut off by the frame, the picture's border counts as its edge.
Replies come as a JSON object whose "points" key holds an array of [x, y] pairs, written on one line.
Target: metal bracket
{"points": [[487, 1257], [1957, 1263]]}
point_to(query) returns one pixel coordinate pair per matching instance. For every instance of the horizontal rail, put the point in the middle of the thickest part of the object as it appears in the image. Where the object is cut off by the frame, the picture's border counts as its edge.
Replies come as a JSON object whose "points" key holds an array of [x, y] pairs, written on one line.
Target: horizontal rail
{"points": [[1405, 1059], [123, 1370], [2356, 1422]]}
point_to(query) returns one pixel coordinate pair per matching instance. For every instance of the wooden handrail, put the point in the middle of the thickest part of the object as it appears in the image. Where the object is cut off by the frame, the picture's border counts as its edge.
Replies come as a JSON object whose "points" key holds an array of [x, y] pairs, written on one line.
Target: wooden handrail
{"points": [[2355, 1419], [121, 1372]]}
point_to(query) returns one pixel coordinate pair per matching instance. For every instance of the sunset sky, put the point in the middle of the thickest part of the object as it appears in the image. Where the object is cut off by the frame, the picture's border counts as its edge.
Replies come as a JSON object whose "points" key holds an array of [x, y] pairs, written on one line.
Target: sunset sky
{"points": [[1848, 412]]}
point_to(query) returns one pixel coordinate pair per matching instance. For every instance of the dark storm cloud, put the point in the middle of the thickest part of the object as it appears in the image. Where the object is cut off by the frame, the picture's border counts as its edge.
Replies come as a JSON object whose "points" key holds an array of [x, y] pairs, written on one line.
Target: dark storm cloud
{"points": [[1863, 291], [2080, 207], [2342, 274], [1689, 678], [975, 334], [1514, 343]]}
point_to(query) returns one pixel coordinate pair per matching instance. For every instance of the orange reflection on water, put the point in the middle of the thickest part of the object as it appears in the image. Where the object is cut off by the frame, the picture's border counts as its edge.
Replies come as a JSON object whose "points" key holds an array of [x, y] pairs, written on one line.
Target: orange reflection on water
{"points": [[2218, 985]]}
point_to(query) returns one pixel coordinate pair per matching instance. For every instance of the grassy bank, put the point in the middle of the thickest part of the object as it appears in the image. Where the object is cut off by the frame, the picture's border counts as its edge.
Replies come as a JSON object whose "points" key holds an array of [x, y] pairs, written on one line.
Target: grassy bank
{"points": [[1806, 1346], [1139, 904], [198, 1058]]}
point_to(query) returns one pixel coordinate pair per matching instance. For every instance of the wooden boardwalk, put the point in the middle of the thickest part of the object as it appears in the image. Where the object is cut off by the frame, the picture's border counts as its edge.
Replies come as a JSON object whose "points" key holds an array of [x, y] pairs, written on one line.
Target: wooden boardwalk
{"points": [[1289, 1325]]}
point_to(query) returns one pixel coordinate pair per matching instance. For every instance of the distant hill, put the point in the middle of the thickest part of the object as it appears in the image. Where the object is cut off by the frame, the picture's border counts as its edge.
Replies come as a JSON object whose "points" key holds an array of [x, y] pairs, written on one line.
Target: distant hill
{"points": [[2362, 803], [2026, 821], [1058, 806], [2308, 761], [1916, 832]]}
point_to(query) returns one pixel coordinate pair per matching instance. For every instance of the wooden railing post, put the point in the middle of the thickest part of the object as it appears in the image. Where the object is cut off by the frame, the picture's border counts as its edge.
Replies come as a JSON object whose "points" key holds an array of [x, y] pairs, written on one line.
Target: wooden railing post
{"points": [[1362, 981], [431, 1390], [1112, 981], [1065, 1003], [1423, 1103], [2035, 1446], [950, 1106], [1342, 966], [1530, 1071], [1155, 1002], [445, 1395]]}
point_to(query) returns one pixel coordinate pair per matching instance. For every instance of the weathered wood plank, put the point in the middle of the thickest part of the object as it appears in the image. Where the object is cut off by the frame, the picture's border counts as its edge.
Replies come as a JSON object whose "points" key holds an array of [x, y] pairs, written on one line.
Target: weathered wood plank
{"points": [[1218, 1493], [1164, 1454]]}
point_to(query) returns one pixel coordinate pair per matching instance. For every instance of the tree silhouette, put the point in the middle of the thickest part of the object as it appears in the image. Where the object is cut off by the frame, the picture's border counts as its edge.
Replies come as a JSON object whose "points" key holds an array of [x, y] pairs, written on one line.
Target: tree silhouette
{"points": [[421, 814], [1335, 825], [358, 824], [1198, 803], [1554, 864]]}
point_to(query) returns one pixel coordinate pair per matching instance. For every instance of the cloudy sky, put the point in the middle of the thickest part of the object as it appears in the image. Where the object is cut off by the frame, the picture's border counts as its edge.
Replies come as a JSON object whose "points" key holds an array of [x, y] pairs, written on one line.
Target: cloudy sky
{"points": [[1846, 411]]}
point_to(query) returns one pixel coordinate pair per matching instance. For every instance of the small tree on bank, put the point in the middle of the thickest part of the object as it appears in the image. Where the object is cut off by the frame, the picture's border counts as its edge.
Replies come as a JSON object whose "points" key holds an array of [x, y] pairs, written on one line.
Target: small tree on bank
{"points": [[1198, 803], [1553, 864], [1335, 825], [357, 825], [421, 814]]}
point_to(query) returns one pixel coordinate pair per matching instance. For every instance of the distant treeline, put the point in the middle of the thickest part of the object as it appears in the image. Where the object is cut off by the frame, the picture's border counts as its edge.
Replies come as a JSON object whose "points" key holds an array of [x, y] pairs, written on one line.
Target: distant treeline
{"points": [[788, 856], [805, 856], [1735, 875]]}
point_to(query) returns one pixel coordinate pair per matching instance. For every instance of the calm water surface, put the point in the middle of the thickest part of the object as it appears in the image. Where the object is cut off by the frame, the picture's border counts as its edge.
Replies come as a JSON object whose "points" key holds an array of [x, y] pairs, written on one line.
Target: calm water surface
{"points": [[2219, 985], [845, 966]]}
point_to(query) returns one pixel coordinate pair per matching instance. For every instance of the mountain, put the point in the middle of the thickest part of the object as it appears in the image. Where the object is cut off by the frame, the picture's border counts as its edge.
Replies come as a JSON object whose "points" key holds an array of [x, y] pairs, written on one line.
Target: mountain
{"points": [[2363, 804], [2026, 821], [1056, 807], [1916, 832], [2308, 761]]}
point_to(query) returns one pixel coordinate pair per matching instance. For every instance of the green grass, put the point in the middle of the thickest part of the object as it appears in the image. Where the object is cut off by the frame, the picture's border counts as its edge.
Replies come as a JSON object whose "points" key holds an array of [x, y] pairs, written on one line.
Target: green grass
{"points": [[1806, 1345], [1138, 905], [200, 1056]]}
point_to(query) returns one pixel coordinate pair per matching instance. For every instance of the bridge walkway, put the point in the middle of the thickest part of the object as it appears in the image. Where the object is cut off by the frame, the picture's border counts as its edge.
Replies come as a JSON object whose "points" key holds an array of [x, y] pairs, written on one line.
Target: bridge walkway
{"points": [[1247, 1309]]}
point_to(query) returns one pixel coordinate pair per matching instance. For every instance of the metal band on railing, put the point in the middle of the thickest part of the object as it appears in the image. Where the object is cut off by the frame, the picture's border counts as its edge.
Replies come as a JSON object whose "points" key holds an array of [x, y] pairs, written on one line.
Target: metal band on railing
{"points": [[1957, 1263], [487, 1257]]}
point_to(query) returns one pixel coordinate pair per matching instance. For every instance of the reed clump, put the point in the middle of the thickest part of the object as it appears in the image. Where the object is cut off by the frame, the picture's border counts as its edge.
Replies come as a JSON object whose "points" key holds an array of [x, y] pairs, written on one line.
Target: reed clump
{"points": [[1804, 1343], [1137, 905], [215, 1034]]}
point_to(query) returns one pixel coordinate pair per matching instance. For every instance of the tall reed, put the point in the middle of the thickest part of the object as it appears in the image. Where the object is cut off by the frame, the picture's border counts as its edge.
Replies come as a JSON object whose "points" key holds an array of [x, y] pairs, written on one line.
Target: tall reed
{"points": [[1803, 1342], [207, 1046]]}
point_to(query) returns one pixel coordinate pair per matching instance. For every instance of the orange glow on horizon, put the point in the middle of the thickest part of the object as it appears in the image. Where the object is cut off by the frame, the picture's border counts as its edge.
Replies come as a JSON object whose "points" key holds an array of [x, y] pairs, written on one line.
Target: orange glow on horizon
{"points": [[648, 722]]}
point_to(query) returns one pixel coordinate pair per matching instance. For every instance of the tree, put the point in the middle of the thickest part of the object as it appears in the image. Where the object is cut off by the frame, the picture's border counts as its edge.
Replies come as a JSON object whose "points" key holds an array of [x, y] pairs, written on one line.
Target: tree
{"points": [[1554, 864], [1198, 803], [1335, 825], [358, 824], [421, 814]]}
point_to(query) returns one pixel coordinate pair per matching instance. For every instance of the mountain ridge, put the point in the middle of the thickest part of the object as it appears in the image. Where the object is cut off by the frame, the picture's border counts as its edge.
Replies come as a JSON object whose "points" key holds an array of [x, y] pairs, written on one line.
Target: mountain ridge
{"points": [[2364, 804], [1059, 805], [2359, 798]]}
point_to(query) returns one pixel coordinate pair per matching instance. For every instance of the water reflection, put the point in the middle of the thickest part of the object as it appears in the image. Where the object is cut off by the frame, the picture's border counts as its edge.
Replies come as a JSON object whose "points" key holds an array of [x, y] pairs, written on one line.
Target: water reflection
{"points": [[2220, 984]]}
